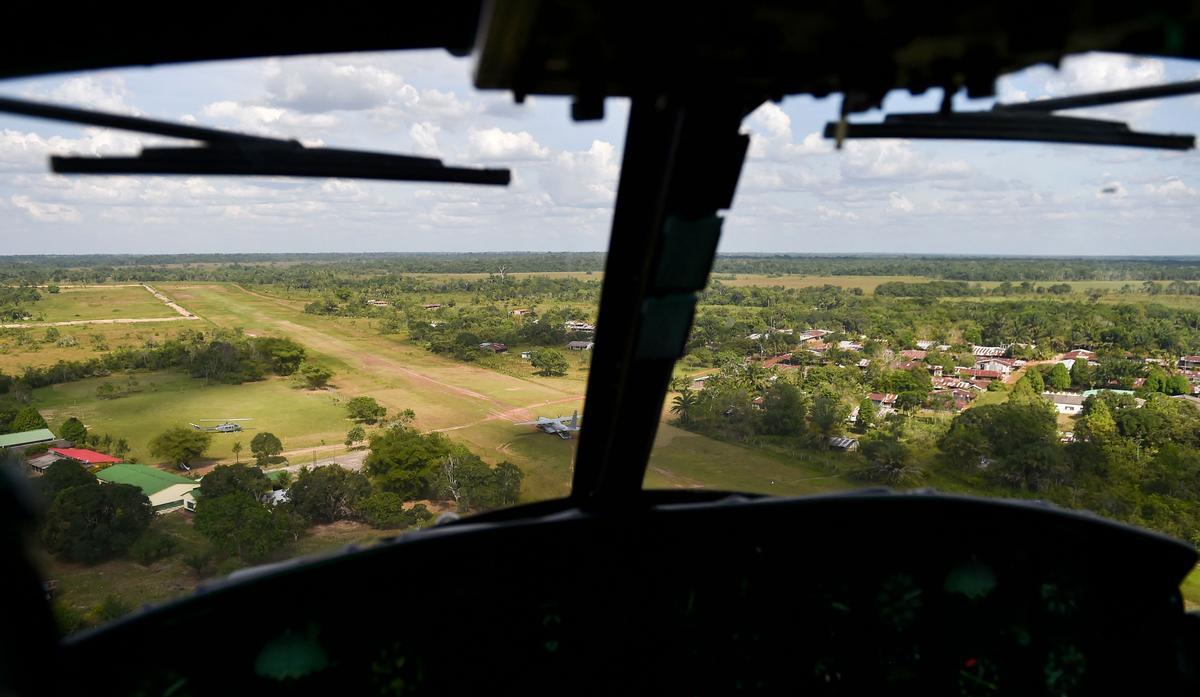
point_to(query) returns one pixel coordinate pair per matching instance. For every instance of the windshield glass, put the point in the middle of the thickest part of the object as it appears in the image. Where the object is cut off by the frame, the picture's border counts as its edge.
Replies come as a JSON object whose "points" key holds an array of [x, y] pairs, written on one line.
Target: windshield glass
{"points": [[273, 367]]}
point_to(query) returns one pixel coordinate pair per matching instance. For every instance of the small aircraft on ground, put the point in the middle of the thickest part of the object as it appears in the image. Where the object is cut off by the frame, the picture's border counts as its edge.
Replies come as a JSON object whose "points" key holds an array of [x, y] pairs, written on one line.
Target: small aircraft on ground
{"points": [[562, 426], [226, 426]]}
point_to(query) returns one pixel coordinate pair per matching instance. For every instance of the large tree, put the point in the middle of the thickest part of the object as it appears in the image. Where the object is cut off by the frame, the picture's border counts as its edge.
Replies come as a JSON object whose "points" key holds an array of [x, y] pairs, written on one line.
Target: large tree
{"points": [[783, 410], [264, 446], [224, 480], [237, 524], [27, 419], [1060, 378], [549, 362], [93, 522], [828, 414], [407, 462], [73, 430], [327, 494], [366, 409], [62, 475], [180, 445]]}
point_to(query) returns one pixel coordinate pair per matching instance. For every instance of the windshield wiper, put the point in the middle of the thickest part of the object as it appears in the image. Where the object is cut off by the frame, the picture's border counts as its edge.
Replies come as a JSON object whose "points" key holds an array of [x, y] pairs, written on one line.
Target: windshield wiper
{"points": [[227, 153], [1029, 121]]}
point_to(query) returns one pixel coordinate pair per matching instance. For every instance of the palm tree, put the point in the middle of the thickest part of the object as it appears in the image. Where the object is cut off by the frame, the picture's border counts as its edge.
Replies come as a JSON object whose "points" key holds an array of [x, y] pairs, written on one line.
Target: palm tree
{"points": [[237, 449], [683, 404]]}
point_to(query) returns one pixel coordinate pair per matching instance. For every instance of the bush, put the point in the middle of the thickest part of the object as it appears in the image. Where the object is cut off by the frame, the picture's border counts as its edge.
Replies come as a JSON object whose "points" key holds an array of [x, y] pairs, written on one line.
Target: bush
{"points": [[107, 610], [151, 547]]}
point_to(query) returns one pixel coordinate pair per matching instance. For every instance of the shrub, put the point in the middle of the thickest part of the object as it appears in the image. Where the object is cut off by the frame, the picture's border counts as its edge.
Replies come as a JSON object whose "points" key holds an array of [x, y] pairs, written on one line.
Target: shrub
{"points": [[151, 547]]}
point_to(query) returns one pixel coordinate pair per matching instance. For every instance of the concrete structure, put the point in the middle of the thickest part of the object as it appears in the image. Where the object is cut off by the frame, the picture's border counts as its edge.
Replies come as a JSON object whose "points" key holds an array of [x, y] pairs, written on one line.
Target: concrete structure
{"points": [[166, 491], [1065, 403]]}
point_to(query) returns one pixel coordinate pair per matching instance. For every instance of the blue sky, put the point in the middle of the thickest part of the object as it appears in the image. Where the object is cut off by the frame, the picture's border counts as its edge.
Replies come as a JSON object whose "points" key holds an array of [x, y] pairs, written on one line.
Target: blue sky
{"points": [[796, 195]]}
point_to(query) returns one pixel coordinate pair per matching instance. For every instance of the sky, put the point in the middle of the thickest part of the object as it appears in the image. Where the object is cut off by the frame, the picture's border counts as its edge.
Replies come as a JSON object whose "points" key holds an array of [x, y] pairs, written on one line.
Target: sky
{"points": [[797, 193]]}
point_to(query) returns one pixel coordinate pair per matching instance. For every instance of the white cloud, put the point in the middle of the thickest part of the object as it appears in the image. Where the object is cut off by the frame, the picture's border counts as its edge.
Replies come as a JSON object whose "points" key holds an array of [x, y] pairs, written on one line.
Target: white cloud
{"points": [[583, 179], [46, 212], [496, 144], [269, 120], [827, 213], [101, 91], [424, 136], [896, 159], [898, 202]]}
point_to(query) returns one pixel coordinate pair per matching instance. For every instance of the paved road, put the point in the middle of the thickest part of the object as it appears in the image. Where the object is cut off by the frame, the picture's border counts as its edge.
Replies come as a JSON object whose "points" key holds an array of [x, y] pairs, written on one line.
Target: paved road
{"points": [[352, 460]]}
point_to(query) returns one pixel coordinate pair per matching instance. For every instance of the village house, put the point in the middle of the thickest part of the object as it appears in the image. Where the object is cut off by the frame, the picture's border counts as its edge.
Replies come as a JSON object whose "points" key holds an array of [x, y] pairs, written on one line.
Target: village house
{"points": [[527, 355], [577, 326], [493, 346], [1004, 366], [847, 345], [925, 344], [1068, 359], [989, 351], [378, 303], [432, 306], [844, 444], [1190, 362], [978, 373], [166, 491], [24, 439], [1065, 403], [520, 312], [87, 458], [818, 348], [580, 345], [699, 381], [776, 360], [914, 355], [812, 334], [885, 403]]}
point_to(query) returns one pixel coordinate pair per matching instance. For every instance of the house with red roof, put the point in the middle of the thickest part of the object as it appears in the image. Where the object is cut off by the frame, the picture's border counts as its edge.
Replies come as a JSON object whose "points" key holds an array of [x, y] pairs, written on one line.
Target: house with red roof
{"points": [[87, 458], [979, 374]]}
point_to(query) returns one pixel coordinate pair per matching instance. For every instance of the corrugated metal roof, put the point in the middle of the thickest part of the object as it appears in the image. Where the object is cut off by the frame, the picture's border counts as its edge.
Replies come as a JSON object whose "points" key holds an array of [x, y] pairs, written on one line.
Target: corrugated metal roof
{"points": [[40, 435], [150, 480]]}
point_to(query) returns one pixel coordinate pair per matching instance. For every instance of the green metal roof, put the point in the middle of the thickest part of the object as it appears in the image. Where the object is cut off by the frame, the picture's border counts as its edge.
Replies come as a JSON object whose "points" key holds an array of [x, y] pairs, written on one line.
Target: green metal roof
{"points": [[150, 480], [41, 435]]}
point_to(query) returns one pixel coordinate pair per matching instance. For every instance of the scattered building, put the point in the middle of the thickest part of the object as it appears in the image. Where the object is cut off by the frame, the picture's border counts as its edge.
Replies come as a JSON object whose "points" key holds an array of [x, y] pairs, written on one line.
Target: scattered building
{"points": [[493, 346], [925, 344], [847, 345], [87, 458], [843, 443], [1065, 403], [166, 491], [1190, 362], [914, 355], [580, 345], [699, 381], [1079, 354], [379, 303], [527, 355], [432, 306], [577, 326], [520, 312]]}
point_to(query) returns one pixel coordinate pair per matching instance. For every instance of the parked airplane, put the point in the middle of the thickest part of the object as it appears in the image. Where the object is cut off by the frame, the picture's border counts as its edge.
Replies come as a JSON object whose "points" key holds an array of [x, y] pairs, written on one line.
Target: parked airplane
{"points": [[562, 426]]}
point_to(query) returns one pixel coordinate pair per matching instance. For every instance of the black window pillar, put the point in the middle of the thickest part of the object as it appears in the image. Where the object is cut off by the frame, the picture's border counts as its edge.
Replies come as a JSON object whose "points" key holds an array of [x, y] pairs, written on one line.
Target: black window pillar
{"points": [[681, 165]]}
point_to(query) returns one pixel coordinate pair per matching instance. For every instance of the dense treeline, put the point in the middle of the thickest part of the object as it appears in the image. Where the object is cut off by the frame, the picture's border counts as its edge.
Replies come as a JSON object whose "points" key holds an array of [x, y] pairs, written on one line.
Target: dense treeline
{"points": [[728, 315], [284, 268], [217, 356]]}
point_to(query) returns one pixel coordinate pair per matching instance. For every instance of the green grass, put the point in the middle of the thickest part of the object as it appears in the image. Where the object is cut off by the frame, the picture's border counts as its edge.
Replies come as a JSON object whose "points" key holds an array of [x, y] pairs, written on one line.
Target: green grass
{"points": [[301, 419], [98, 302], [1191, 589]]}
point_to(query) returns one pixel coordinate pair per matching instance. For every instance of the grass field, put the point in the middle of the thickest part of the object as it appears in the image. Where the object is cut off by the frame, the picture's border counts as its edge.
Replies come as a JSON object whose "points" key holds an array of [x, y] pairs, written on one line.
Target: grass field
{"points": [[301, 418], [98, 302]]}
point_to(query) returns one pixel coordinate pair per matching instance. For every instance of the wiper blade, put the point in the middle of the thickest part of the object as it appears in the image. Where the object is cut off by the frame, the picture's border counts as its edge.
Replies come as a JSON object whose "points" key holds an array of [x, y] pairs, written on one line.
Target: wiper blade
{"points": [[228, 153], [1029, 121], [1014, 125]]}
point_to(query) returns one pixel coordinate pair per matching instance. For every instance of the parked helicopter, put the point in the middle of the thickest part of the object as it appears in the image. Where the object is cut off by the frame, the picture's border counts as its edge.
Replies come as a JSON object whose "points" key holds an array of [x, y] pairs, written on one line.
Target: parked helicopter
{"points": [[226, 426], [562, 426]]}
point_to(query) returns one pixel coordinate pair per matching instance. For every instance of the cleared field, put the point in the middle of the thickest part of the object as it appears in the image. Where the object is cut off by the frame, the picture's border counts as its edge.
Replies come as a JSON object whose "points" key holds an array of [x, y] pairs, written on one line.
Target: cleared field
{"points": [[16, 352], [98, 302], [301, 419]]}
